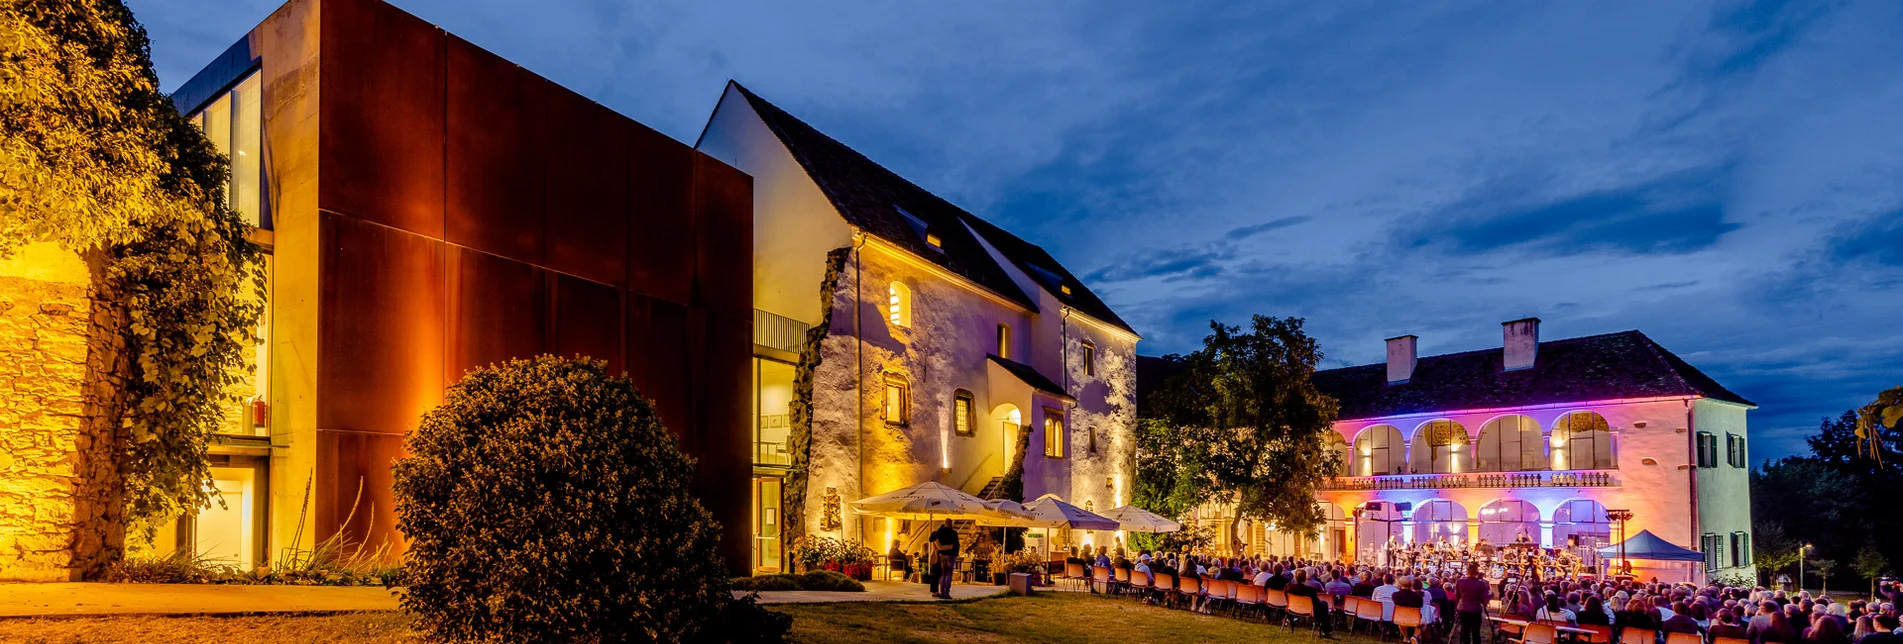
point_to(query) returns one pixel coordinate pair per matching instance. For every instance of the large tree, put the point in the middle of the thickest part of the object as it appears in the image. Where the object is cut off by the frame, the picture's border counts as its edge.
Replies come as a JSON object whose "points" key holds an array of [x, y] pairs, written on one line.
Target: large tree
{"points": [[94, 158], [1241, 423], [1832, 498]]}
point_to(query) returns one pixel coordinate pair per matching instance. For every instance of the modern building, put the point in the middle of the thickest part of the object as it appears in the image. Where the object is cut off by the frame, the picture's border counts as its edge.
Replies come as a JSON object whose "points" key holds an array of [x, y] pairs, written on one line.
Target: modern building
{"points": [[942, 342], [1536, 438], [429, 208]]}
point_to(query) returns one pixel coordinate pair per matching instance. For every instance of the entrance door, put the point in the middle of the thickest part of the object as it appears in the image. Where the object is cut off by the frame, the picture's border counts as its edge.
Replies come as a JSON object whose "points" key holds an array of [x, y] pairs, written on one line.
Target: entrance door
{"points": [[224, 533], [1339, 537], [766, 524]]}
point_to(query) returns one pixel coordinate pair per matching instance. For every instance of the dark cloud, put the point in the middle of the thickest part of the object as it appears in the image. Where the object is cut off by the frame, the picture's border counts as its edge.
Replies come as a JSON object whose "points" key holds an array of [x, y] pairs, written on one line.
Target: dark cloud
{"points": [[1877, 240], [1677, 214], [1168, 264], [1244, 232]]}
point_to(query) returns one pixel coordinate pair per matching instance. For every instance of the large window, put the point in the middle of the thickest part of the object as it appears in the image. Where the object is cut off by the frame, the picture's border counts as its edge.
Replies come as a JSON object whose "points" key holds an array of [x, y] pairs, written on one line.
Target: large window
{"points": [[772, 411], [1582, 441], [1438, 448], [1504, 520], [233, 122], [898, 304], [1581, 521], [251, 387], [1379, 450], [962, 421], [1333, 443], [896, 409], [1440, 519], [1510, 444], [1707, 450], [1053, 433]]}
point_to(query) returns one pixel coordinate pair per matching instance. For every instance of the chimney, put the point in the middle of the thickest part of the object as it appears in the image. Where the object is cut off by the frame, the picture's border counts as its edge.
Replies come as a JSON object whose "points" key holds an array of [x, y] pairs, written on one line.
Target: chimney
{"points": [[1401, 357], [1522, 342]]}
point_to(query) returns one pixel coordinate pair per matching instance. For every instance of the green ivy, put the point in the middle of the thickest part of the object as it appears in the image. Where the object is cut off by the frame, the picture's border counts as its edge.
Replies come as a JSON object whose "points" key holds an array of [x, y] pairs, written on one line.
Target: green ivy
{"points": [[800, 434]]}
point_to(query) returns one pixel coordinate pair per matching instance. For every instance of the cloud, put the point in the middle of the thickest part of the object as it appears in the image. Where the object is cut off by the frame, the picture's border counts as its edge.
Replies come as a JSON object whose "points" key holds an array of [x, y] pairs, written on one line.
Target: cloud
{"points": [[1244, 232], [1167, 264], [1676, 214]]}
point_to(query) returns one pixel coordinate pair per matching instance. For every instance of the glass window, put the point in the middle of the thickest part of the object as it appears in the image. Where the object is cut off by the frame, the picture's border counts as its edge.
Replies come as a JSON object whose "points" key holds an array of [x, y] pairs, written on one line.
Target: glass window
{"points": [[1333, 443], [1582, 441], [772, 407], [961, 413], [234, 123], [1583, 521], [1090, 359], [899, 304], [1375, 451], [1004, 341], [1707, 450], [1093, 440], [1510, 444], [1505, 520], [1440, 519], [1053, 433], [252, 386], [895, 411], [1438, 447]]}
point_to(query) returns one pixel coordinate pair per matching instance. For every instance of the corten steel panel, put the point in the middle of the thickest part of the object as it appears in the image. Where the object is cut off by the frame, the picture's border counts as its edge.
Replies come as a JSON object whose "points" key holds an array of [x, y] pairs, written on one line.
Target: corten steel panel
{"points": [[587, 212], [660, 219], [725, 437], [723, 232], [381, 140], [353, 470], [497, 311], [587, 321], [493, 196], [658, 360], [381, 326]]}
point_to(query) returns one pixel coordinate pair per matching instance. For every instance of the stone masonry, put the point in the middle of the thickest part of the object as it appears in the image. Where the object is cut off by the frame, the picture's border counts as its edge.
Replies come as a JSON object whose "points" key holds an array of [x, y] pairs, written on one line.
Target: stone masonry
{"points": [[43, 353]]}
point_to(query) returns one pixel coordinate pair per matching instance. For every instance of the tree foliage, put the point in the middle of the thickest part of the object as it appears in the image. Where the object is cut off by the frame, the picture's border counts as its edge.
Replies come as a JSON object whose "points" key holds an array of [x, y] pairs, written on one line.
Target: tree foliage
{"points": [[1832, 498], [1876, 425], [544, 501], [1240, 422], [96, 159]]}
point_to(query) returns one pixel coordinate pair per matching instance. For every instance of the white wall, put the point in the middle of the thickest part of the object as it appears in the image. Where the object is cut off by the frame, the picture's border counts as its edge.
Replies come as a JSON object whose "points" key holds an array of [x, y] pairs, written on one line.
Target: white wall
{"points": [[1724, 491]]}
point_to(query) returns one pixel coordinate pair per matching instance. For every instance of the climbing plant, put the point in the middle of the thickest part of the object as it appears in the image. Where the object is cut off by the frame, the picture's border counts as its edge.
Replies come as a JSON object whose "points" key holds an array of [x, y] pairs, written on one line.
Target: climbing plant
{"points": [[800, 433], [94, 158]]}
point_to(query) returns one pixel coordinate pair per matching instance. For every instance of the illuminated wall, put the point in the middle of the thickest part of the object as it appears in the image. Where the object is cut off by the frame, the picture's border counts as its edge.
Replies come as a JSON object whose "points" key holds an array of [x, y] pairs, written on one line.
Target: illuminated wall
{"points": [[43, 320]]}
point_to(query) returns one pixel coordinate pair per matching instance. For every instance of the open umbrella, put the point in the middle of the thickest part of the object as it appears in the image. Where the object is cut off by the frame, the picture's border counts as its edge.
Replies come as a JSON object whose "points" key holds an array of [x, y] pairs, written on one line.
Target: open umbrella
{"points": [[1048, 511], [1135, 519], [928, 500]]}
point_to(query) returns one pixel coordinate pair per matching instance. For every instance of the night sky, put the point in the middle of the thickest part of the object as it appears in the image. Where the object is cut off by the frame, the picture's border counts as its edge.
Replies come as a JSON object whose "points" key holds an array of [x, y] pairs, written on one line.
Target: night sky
{"points": [[1727, 178]]}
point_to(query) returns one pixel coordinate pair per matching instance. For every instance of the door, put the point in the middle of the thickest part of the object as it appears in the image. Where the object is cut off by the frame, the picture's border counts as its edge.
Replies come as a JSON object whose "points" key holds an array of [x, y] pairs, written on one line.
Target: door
{"points": [[766, 524]]}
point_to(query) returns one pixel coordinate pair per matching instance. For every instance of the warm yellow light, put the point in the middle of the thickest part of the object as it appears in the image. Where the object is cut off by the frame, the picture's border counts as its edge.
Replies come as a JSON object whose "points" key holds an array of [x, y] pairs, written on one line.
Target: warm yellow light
{"points": [[944, 449], [933, 240]]}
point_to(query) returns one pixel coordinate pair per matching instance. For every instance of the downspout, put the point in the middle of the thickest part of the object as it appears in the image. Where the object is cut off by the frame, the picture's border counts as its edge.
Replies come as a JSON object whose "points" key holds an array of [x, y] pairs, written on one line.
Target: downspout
{"points": [[859, 372], [1691, 432]]}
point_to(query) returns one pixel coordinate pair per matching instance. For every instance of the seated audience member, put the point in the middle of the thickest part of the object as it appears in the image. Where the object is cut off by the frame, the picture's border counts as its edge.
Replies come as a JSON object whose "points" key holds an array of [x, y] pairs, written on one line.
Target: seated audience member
{"points": [[1301, 589], [1555, 612], [1637, 614], [1406, 595], [1826, 631], [1726, 625], [1681, 621], [1594, 613]]}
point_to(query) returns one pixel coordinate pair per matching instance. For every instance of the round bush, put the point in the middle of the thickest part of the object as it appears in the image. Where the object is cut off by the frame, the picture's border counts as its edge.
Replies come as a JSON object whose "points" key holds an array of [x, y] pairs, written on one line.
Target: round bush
{"points": [[832, 581], [545, 502]]}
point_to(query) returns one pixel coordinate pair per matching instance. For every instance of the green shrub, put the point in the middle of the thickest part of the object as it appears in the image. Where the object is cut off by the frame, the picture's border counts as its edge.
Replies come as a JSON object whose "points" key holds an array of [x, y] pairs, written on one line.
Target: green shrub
{"points": [[545, 502], [830, 581], [768, 582]]}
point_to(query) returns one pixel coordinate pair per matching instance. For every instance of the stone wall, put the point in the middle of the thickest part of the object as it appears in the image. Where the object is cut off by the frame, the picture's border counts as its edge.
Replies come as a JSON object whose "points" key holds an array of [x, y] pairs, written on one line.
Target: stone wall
{"points": [[43, 320]]}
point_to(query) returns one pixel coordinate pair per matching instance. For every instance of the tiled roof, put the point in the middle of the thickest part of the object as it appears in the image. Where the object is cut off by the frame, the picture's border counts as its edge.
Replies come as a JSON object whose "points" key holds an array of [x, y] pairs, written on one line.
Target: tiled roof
{"points": [[878, 201], [1600, 367], [1030, 376], [1044, 269]]}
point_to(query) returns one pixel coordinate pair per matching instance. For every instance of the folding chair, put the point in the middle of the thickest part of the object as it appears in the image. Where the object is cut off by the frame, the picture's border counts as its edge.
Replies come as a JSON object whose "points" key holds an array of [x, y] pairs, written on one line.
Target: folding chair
{"points": [[1100, 578], [1408, 620], [1165, 588], [1139, 584], [1276, 600], [1537, 633], [1122, 576], [1188, 587], [1349, 607], [1299, 607], [1248, 596], [1684, 638], [1368, 610], [1074, 572], [1730, 640], [1602, 634], [1638, 636]]}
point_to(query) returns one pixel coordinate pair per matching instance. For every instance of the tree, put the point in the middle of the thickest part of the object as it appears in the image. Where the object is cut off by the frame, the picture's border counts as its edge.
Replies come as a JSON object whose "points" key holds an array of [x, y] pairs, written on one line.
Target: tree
{"points": [[1871, 564], [544, 501], [1242, 423], [1823, 568], [1836, 440], [1771, 550], [1885, 413], [95, 159]]}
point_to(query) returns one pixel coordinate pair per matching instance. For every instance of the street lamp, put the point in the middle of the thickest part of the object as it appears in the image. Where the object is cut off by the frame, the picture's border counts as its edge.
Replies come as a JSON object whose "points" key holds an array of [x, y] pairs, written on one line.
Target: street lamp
{"points": [[1621, 516], [1800, 566]]}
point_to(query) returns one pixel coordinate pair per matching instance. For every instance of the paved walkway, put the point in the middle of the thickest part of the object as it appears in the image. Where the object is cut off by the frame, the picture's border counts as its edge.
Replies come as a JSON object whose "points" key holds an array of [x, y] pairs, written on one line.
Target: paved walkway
{"points": [[70, 599], [877, 591]]}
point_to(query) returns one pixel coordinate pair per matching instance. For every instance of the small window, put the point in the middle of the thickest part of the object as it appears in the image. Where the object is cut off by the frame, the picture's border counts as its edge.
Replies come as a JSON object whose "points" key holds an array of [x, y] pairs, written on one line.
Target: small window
{"points": [[961, 413], [1707, 450], [1064, 288], [1734, 451], [897, 401], [1093, 440], [932, 238], [1053, 433], [899, 304], [1090, 359], [1712, 559], [1737, 558], [1004, 341]]}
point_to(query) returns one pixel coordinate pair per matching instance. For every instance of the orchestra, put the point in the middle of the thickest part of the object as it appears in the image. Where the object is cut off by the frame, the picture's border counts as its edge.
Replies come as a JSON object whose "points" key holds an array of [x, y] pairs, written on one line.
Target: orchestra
{"points": [[1521, 560]]}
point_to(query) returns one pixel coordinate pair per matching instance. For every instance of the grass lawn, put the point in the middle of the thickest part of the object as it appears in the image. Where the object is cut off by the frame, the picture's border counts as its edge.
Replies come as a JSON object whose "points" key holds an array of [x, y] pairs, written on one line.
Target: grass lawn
{"points": [[1045, 617]]}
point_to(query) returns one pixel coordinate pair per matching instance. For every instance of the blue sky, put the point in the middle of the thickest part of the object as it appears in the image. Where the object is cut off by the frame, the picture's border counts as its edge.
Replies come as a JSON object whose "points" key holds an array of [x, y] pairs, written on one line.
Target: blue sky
{"points": [[1727, 177]]}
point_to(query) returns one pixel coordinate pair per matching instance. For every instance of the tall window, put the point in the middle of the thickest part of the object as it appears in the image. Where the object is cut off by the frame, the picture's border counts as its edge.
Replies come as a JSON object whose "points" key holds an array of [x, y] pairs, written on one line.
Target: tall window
{"points": [[1438, 447], [772, 406], [1734, 450], [961, 413], [1333, 443], [1707, 450], [1713, 545], [1375, 451], [1582, 441], [234, 123], [1503, 521], [897, 408], [899, 304], [1510, 444], [1090, 359], [1093, 440], [1004, 341], [1582, 521], [1053, 433]]}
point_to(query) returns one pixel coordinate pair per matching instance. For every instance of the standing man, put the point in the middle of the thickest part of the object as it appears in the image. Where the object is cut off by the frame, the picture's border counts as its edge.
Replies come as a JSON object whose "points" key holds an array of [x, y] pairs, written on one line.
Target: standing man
{"points": [[1470, 600], [945, 541]]}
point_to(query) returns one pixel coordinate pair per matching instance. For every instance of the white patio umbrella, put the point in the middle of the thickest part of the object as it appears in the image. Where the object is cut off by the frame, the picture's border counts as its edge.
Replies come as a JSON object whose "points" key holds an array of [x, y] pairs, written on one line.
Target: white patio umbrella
{"points": [[1048, 511], [1134, 519], [928, 500]]}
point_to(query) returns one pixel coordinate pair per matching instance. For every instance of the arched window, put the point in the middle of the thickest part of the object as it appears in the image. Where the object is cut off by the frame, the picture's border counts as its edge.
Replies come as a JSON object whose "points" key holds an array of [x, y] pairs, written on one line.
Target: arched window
{"points": [[899, 304], [1333, 443], [1582, 441], [1510, 444], [1584, 519], [1376, 450], [1503, 521], [1440, 518], [1439, 447]]}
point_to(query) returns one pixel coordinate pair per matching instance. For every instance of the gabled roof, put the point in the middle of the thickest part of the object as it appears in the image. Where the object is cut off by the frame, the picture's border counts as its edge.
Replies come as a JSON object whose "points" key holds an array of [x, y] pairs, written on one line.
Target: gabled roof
{"points": [[1599, 367], [1044, 269], [884, 204], [1030, 376]]}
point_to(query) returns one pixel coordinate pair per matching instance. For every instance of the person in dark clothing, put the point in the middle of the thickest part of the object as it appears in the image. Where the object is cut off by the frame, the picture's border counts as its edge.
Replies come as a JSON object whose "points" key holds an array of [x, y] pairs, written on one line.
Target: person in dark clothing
{"points": [[1593, 613], [1407, 595], [1886, 631], [945, 561], [1727, 625], [1637, 614], [1681, 621], [1301, 589], [1471, 595], [1825, 630], [1277, 581], [1364, 587]]}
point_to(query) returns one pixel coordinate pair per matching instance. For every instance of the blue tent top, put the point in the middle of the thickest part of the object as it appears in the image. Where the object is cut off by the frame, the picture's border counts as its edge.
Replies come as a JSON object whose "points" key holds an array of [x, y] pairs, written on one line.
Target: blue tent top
{"points": [[1646, 545]]}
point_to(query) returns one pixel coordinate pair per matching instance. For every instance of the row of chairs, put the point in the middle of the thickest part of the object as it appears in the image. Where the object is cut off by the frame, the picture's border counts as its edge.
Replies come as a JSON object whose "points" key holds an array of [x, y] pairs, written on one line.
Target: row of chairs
{"points": [[1231, 596]]}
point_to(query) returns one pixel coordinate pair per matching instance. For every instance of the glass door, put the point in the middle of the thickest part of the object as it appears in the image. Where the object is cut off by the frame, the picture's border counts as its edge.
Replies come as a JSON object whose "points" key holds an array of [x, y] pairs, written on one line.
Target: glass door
{"points": [[766, 524]]}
